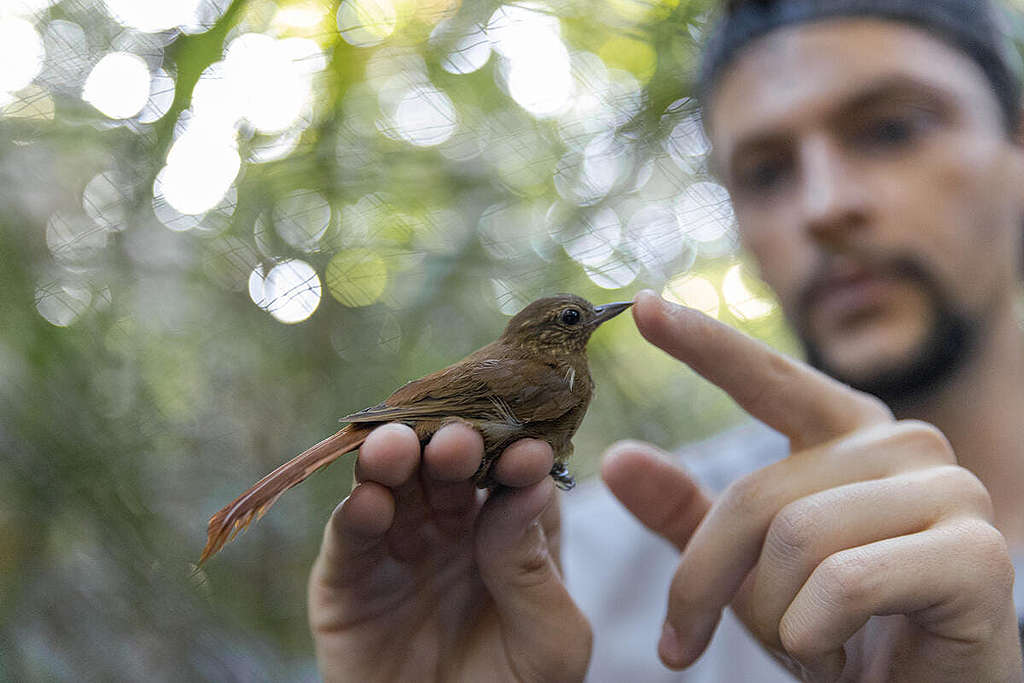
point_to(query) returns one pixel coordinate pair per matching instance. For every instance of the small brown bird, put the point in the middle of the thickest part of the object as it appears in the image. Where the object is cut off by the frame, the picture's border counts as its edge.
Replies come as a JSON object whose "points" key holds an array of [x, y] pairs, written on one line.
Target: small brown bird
{"points": [[532, 382]]}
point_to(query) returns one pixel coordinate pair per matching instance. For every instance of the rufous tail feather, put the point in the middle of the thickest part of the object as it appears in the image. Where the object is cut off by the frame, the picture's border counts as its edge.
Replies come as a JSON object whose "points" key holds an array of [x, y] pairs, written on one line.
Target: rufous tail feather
{"points": [[252, 504]]}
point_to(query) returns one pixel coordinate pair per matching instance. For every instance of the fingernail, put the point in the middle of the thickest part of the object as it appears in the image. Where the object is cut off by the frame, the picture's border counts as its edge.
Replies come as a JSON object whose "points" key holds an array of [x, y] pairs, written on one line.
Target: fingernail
{"points": [[670, 648], [648, 293], [681, 648]]}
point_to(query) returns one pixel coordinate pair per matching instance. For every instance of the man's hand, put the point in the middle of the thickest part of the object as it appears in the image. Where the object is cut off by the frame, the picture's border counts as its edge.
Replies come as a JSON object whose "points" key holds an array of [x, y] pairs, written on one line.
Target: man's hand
{"points": [[422, 577], [867, 554]]}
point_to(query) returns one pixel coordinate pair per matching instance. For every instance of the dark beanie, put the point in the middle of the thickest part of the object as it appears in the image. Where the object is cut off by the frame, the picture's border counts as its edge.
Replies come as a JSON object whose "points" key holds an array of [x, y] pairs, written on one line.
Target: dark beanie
{"points": [[972, 26]]}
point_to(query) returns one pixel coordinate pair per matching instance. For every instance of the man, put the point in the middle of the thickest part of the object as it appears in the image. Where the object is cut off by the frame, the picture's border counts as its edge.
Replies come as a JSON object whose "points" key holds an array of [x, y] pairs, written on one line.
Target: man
{"points": [[872, 155]]}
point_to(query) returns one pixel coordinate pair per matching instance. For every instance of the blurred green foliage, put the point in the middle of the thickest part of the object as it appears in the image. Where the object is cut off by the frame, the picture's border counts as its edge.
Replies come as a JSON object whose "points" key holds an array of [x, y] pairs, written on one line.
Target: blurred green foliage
{"points": [[142, 387]]}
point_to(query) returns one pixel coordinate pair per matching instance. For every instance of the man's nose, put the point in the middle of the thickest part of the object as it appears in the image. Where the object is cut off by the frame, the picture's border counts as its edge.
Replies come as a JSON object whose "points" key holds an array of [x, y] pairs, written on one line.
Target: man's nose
{"points": [[833, 199]]}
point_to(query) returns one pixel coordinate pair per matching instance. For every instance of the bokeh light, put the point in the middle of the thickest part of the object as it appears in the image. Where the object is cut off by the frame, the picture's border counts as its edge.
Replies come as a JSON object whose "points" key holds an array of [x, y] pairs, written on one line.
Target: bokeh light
{"points": [[118, 85], [153, 16], [469, 53], [655, 238], [595, 237], [631, 12], [424, 116], [72, 237], [301, 218], [61, 305], [256, 286], [300, 16], [693, 291], [613, 274], [364, 23], [21, 54], [201, 165], [535, 65], [161, 96], [635, 56], [704, 211], [290, 292], [105, 200], [269, 81], [686, 142], [356, 277], [504, 229], [585, 177], [26, 8], [743, 303], [69, 55]]}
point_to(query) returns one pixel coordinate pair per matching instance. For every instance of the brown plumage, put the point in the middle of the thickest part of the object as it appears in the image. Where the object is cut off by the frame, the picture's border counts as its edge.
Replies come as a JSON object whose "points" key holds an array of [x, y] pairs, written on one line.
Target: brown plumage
{"points": [[532, 382]]}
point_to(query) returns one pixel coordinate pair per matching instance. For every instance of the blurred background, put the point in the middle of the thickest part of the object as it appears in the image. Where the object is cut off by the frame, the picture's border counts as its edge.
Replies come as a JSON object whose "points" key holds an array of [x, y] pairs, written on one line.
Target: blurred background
{"points": [[225, 224]]}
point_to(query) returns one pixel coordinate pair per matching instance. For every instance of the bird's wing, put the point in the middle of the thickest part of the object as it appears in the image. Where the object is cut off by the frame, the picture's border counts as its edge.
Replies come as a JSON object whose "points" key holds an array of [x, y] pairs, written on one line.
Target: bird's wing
{"points": [[541, 392], [507, 391]]}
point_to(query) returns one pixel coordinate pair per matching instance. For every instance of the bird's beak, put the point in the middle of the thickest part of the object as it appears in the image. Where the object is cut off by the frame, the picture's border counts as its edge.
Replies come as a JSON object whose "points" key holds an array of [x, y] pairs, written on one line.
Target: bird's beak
{"points": [[609, 311]]}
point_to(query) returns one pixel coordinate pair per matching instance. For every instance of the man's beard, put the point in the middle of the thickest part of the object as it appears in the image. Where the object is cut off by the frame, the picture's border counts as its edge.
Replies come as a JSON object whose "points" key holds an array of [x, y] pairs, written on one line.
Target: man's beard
{"points": [[945, 349]]}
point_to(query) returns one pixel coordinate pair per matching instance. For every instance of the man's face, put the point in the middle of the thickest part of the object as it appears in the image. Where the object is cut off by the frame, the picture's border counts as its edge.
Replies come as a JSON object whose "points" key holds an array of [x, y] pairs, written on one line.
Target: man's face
{"points": [[874, 182]]}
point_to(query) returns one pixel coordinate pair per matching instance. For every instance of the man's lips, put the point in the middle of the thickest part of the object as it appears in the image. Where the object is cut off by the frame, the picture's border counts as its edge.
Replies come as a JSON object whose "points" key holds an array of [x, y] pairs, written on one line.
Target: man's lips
{"points": [[849, 292]]}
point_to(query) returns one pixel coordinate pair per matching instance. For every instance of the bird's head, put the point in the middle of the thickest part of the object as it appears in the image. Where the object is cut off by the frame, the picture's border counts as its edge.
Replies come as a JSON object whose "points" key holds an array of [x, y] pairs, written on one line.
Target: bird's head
{"points": [[561, 323]]}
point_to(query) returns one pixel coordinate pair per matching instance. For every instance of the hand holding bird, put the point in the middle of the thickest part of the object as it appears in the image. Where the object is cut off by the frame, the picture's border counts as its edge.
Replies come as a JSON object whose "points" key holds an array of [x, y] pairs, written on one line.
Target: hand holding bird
{"points": [[532, 382]]}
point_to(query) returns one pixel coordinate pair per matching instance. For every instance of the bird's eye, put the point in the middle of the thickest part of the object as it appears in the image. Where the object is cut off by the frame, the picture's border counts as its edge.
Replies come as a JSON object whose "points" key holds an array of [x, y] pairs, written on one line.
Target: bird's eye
{"points": [[570, 316]]}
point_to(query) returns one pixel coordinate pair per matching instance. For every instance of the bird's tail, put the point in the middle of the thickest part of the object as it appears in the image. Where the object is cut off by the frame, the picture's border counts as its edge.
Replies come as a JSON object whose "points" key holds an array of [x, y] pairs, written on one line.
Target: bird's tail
{"points": [[251, 505]]}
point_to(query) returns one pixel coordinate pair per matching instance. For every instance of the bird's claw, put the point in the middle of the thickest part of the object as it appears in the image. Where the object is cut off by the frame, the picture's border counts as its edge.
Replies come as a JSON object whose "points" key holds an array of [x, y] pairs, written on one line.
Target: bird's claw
{"points": [[563, 480]]}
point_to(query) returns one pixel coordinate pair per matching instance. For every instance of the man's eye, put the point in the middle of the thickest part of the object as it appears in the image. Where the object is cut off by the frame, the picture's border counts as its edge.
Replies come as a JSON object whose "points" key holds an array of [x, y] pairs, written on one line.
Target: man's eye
{"points": [[763, 176], [889, 133]]}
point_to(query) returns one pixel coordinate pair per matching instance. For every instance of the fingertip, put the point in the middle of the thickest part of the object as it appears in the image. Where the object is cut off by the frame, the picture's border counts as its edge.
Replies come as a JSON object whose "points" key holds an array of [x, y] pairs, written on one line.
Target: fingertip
{"points": [[670, 648], [650, 300], [625, 449], [353, 533], [682, 332], [368, 511], [650, 313], [645, 303], [389, 455], [396, 430], [454, 452], [524, 463], [622, 459], [643, 297], [674, 653], [655, 489], [509, 513], [681, 645]]}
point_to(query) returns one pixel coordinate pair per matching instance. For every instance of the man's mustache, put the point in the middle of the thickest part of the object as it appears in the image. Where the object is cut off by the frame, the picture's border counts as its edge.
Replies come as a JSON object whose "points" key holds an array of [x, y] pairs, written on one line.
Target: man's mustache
{"points": [[954, 331], [833, 269]]}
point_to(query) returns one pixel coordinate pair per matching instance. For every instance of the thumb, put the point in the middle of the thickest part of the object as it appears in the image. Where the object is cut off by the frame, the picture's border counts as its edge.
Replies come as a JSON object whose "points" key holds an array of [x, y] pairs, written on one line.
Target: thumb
{"points": [[658, 493], [543, 631]]}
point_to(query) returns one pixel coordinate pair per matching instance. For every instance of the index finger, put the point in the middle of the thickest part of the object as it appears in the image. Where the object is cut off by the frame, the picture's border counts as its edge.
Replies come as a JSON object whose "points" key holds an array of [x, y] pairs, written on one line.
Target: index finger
{"points": [[791, 397]]}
